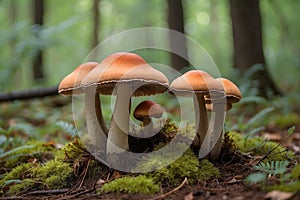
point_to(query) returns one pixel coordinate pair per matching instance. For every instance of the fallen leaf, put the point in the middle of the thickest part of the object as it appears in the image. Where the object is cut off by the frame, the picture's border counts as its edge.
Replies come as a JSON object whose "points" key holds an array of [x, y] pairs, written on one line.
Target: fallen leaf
{"points": [[278, 195], [273, 136], [189, 196]]}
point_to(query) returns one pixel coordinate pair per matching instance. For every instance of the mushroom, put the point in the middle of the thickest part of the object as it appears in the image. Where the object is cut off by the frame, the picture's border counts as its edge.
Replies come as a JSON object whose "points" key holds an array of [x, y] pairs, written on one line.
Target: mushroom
{"points": [[233, 95], [144, 112], [124, 75], [71, 84], [197, 83]]}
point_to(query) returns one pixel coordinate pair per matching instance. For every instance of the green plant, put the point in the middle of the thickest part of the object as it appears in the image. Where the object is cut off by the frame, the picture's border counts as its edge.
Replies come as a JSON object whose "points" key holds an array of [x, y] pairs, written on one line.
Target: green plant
{"points": [[140, 184], [254, 124], [186, 166], [260, 147], [282, 179]]}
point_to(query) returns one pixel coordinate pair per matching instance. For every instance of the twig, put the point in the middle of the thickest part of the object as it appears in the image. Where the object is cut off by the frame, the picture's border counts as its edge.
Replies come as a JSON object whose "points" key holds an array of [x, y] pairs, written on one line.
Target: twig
{"points": [[39, 192], [170, 192], [85, 172], [273, 149], [29, 94]]}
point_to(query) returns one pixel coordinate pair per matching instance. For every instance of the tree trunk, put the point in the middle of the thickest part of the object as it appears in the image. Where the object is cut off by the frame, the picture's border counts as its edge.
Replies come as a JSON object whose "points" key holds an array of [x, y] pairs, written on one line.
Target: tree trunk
{"points": [[96, 23], [248, 47], [177, 44], [38, 20]]}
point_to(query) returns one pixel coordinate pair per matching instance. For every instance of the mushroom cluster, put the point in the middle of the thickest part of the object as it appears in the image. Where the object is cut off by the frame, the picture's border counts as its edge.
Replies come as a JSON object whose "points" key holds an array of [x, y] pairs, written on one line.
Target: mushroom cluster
{"points": [[126, 75]]}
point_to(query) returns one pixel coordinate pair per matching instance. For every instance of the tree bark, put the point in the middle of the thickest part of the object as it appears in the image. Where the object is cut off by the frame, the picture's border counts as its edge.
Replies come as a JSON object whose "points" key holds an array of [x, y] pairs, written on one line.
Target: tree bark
{"points": [[248, 46], [177, 44], [29, 94], [38, 20], [96, 23]]}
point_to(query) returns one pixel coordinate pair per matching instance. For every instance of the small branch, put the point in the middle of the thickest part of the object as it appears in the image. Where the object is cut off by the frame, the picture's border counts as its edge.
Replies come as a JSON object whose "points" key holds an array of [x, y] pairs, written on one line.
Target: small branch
{"points": [[40, 192], [170, 192], [29, 94]]}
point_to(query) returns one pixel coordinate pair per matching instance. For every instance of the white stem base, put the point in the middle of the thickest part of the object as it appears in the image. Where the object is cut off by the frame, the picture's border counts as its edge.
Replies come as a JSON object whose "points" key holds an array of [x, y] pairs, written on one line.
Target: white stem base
{"points": [[118, 133], [96, 133]]}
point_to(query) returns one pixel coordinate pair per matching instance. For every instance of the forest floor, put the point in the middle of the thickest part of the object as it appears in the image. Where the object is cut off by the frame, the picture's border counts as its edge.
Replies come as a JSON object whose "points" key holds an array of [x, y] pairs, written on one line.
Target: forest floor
{"points": [[233, 167]]}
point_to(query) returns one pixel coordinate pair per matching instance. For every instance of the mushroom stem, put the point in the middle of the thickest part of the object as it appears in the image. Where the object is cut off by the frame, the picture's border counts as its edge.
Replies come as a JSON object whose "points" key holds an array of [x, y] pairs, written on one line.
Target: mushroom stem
{"points": [[147, 127], [217, 133], [201, 117], [119, 127], [99, 113], [93, 113]]}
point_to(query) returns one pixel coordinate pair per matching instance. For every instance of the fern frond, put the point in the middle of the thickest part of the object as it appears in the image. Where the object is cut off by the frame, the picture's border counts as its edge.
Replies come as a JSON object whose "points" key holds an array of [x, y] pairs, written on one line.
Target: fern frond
{"points": [[256, 119], [67, 127], [273, 167]]}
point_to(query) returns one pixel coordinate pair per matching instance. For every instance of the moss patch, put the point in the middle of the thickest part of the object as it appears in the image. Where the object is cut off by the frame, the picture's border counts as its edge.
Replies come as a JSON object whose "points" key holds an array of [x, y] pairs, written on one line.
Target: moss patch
{"points": [[140, 184], [186, 166], [31, 150], [53, 174], [260, 147]]}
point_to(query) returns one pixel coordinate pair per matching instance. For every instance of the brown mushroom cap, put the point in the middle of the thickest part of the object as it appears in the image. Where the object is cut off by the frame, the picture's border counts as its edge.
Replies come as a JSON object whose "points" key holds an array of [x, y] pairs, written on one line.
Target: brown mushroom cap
{"points": [[72, 82], [148, 109], [126, 68], [195, 81], [232, 92]]}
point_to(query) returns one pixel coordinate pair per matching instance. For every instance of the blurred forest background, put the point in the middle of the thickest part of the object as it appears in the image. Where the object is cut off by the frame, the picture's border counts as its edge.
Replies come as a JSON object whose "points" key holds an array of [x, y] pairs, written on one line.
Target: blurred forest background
{"points": [[44, 40]]}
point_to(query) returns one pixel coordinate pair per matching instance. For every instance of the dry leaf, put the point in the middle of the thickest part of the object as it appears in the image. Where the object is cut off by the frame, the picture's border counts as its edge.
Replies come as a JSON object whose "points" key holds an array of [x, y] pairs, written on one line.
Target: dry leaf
{"points": [[278, 195], [189, 196]]}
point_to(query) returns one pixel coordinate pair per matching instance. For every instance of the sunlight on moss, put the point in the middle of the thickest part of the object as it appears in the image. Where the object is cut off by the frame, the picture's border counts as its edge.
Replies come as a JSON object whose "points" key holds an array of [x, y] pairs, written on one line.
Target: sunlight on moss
{"points": [[187, 166], [32, 149], [18, 173], [26, 183], [260, 147], [71, 151], [54, 174], [140, 184]]}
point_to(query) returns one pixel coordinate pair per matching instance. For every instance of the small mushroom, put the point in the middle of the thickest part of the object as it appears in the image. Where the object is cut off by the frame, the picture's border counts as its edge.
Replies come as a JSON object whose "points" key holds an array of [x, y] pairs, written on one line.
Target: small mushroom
{"points": [[144, 112], [232, 95], [124, 75], [70, 85], [197, 83]]}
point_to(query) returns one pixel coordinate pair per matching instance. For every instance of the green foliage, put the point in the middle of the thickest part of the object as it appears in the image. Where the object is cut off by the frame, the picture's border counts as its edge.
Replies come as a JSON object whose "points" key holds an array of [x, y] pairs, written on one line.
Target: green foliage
{"points": [[24, 184], [287, 181], [18, 173], [54, 174], [255, 178], [71, 151], [32, 149], [260, 147], [296, 172], [67, 127], [186, 166], [140, 184], [254, 124], [286, 120], [273, 167], [51, 175]]}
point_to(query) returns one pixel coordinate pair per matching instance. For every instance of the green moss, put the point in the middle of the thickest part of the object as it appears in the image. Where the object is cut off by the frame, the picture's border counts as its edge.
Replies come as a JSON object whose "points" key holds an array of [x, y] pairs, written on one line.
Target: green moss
{"points": [[24, 184], [54, 174], [18, 173], [283, 121], [186, 166], [71, 151], [140, 184], [32, 149], [260, 147], [296, 172], [293, 186]]}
